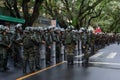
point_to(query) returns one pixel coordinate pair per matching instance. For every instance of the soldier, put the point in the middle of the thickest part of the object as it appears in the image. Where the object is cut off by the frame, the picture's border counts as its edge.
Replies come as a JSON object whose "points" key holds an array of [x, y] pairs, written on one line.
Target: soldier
{"points": [[28, 55], [4, 45], [58, 45], [70, 44], [85, 48], [118, 38], [49, 42], [91, 39], [17, 43], [37, 40], [43, 35]]}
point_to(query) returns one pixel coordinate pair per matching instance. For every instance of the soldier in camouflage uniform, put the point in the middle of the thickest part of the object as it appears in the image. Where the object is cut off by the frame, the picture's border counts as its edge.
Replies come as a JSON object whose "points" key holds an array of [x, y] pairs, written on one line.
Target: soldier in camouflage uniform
{"points": [[70, 44], [85, 48], [28, 55], [118, 38], [37, 41], [58, 45], [49, 41], [4, 45], [17, 43], [91, 38]]}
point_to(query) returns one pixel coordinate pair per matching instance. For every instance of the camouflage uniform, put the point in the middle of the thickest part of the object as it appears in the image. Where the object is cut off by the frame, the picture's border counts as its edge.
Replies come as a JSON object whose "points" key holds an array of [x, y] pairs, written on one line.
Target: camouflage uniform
{"points": [[85, 47], [4, 43], [69, 46], [37, 40], [28, 55], [49, 41], [91, 39], [58, 46], [17, 43]]}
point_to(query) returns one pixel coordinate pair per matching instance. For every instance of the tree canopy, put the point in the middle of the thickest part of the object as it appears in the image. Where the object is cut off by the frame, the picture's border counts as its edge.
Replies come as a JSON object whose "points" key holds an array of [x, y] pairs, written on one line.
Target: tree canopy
{"points": [[27, 9], [78, 13]]}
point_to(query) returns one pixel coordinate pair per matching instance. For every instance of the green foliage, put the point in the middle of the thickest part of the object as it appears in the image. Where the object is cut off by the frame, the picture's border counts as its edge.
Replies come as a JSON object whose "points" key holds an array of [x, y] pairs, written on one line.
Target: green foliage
{"points": [[105, 13], [110, 17]]}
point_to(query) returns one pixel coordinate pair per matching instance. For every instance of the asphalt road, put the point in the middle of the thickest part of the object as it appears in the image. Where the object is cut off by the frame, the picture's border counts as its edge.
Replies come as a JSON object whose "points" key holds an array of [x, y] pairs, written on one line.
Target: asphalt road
{"points": [[104, 65]]}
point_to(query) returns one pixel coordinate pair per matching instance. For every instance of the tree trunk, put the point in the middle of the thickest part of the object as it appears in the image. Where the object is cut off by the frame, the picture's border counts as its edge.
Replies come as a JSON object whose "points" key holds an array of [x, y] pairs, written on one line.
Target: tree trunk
{"points": [[16, 9]]}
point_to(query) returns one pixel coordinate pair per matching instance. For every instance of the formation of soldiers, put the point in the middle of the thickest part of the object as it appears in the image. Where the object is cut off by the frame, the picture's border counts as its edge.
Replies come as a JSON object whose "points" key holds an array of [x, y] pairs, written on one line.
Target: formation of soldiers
{"points": [[35, 47]]}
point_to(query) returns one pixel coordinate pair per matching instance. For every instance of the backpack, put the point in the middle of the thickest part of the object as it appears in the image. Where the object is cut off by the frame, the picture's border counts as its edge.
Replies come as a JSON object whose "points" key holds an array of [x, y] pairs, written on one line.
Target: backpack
{"points": [[68, 38], [28, 43]]}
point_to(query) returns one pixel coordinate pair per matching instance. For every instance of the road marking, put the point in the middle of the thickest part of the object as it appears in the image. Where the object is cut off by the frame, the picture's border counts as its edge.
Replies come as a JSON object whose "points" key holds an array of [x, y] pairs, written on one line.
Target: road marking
{"points": [[78, 62], [74, 61], [29, 75], [107, 63], [111, 55], [79, 55], [97, 55]]}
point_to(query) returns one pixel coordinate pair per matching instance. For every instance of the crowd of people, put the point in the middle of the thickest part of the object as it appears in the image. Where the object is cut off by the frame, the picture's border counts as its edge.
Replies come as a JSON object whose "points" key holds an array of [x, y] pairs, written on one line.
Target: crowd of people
{"points": [[37, 47]]}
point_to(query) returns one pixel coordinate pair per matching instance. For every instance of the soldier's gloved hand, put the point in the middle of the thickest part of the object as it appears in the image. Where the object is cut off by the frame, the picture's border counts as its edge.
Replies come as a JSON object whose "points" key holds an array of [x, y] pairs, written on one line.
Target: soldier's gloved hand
{"points": [[21, 44], [8, 46], [83, 46], [49, 47], [43, 42]]}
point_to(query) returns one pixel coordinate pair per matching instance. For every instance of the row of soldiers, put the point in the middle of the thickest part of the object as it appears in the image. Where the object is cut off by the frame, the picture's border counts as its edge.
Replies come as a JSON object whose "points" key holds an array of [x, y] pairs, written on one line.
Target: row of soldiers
{"points": [[35, 47]]}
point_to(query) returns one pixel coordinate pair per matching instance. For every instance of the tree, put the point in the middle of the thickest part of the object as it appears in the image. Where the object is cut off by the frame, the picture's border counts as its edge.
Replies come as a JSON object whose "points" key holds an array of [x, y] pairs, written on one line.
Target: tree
{"points": [[110, 18], [29, 9], [76, 12]]}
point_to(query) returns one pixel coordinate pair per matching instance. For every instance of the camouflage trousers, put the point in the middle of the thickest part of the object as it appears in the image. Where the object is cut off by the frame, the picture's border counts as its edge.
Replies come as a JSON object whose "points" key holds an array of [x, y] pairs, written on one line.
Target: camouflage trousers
{"points": [[3, 58], [28, 60], [58, 52], [69, 49]]}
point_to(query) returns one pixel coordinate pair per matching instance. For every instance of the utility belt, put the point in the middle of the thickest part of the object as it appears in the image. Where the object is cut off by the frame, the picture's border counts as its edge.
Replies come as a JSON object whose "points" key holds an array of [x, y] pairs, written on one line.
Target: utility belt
{"points": [[32, 47]]}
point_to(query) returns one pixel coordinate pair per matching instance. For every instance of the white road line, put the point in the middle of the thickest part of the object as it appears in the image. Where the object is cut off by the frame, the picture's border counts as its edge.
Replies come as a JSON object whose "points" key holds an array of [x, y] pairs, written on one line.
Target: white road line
{"points": [[74, 61], [97, 55], [111, 55], [107, 63], [78, 62], [79, 55]]}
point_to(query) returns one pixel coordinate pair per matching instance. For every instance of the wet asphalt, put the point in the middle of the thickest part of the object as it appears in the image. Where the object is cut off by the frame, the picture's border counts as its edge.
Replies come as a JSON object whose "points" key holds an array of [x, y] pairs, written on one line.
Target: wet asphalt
{"points": [[100, 68]]}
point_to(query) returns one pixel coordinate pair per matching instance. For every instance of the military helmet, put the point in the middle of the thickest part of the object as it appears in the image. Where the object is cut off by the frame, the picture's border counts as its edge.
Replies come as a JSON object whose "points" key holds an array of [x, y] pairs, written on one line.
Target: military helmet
{"points": [[27, 28], [18, 26], [83, 29], [40, 28], [70, 27], [62, 29], [1, 27], [6, 28]]}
